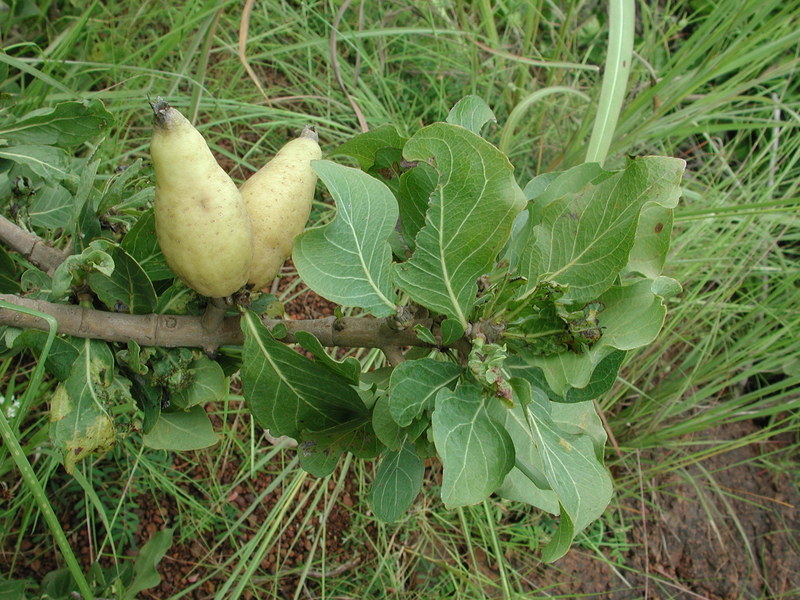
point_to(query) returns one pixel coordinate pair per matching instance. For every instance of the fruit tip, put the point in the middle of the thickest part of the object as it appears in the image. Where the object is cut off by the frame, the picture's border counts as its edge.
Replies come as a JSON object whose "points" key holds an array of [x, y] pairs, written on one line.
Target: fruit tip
{"points": [[309, 132], [160, 108]]}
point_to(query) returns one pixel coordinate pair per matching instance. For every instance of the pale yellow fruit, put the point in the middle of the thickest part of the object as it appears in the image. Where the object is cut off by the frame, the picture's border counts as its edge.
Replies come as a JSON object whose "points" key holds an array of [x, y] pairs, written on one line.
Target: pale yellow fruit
{"points": [[201, 220], [278, 198]]}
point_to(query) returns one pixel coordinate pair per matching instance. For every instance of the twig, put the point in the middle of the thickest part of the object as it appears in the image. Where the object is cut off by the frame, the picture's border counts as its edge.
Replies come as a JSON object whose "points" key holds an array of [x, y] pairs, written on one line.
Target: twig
{"points": [[171, 331], [31, 246]]}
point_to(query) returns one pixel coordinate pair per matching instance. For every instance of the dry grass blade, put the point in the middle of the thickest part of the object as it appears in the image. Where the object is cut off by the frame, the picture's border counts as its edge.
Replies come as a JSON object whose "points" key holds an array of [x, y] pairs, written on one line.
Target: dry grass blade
{"points": [[244, 29], [362, 121]]}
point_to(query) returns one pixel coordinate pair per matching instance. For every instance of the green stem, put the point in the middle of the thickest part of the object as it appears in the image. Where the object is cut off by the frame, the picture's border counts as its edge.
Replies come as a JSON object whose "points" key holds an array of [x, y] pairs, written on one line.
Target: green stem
{"points": [[38, 373], [622, 16], [29, 477], [498, 551], [24, 466]]}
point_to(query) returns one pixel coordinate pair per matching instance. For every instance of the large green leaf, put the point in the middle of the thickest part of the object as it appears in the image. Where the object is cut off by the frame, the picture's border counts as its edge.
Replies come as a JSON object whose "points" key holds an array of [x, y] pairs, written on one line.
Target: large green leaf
{"points": [[414, 384], [181, 431], [397, 483], [476, 451], [583, 238], [66, 124], [468, 221], [288, 393], [560, 461], [127, 288], [80, 422], [347, 261]]}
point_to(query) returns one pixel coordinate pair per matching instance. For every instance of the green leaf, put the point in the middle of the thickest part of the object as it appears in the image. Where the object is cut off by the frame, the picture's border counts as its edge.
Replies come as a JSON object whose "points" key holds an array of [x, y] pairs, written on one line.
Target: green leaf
{"points": [[476, 452], [384, 425], [49, 163], [565, 456], [349, 368], [36, 284], [288, 393], [127, 288], [471, 112], [14, 589], [51, 208], [388, 431], [414, 384], [176, 299], [397, 483], [319, 464], [181, 431], [666, 287], [145, 575], [583, 238], [74, 270], [80, 422], [347, 261], [142, 244], [651, 241], [632, 318], [121, 194], [603, 377], [66, 124], [452, 331], [413, 193], [366, 146], [208, 384], [467, 224], [86, 221]]}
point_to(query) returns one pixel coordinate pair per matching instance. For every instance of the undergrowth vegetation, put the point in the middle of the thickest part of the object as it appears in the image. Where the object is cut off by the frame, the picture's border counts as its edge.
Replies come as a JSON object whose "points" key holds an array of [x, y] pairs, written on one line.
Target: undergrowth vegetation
{"points": [[715, 86]]}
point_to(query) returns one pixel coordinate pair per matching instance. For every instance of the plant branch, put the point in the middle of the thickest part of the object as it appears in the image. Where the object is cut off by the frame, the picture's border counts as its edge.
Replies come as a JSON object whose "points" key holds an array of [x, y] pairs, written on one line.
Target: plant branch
{"points": [[171, 331], [31, 246]]}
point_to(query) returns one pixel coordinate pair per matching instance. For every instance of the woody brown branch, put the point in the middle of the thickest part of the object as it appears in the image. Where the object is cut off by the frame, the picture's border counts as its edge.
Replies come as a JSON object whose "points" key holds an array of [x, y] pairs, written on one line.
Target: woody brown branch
{"points": [[31, 246], [171, 331]]}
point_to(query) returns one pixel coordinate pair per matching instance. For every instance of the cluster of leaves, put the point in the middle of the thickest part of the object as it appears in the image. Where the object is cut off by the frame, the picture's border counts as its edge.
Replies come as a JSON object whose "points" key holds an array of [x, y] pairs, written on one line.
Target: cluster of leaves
{"points": [[533, 296], [550, 285]]}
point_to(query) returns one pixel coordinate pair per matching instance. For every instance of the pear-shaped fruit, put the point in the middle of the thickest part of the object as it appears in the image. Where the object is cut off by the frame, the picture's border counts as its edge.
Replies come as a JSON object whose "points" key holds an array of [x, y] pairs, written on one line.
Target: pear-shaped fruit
{"points": [[278, 198], [201, 220]]}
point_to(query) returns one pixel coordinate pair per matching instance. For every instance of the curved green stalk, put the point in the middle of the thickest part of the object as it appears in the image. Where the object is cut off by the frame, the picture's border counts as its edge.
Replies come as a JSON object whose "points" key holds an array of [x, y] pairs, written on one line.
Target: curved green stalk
{"points": [[622, 16], [24, 466], [519, 110]]}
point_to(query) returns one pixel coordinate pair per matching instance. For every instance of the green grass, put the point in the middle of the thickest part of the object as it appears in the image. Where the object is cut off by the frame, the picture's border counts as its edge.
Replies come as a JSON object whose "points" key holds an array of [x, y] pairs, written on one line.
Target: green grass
{"points": [[716, 86]]}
